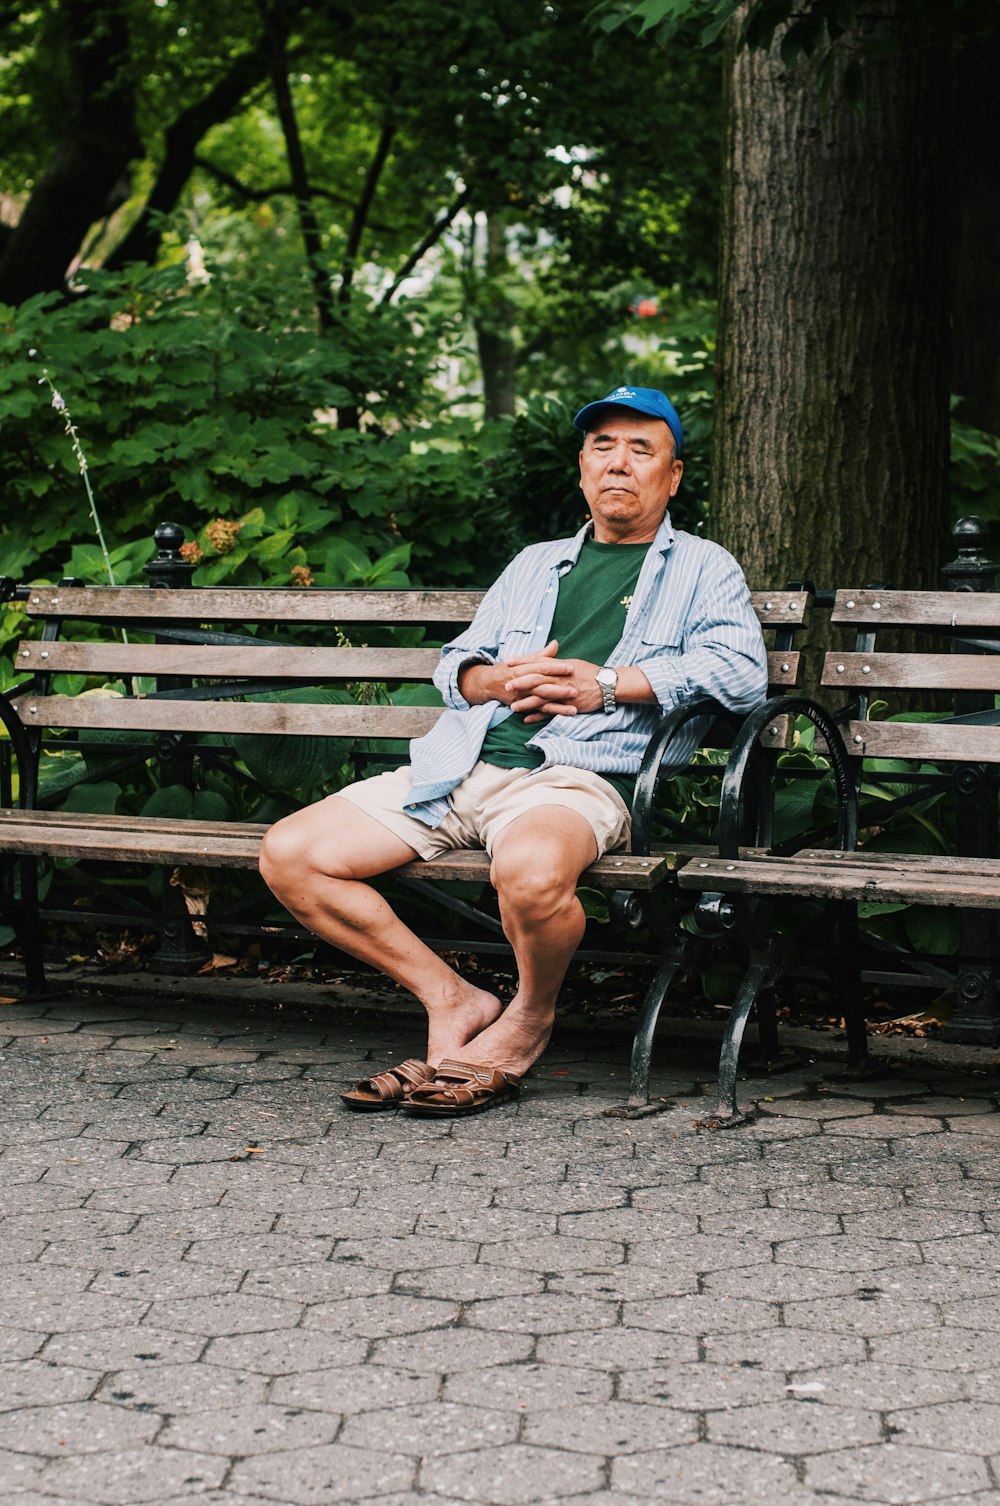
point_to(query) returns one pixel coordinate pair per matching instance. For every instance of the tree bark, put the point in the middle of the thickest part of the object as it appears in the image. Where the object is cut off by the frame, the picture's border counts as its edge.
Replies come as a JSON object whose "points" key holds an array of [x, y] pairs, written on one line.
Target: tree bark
{"points": [[830, 451], [976, 323], [82, 180], [181, 140], [494, 321]]}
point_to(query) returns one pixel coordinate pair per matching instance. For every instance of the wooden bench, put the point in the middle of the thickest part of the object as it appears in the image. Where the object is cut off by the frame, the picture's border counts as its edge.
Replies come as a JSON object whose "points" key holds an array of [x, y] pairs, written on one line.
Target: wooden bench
{"points": [[889, 752], [201, 660]]}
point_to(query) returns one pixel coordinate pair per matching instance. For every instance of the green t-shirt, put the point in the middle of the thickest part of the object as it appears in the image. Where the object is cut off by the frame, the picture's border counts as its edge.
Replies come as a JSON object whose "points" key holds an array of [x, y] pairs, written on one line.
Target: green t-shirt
{"points": [[589, 620]]}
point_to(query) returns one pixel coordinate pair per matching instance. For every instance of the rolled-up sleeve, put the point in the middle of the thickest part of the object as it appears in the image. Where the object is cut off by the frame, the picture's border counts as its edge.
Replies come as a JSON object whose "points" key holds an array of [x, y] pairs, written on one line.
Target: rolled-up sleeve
{"points": [[721, 655], [478, 644]]}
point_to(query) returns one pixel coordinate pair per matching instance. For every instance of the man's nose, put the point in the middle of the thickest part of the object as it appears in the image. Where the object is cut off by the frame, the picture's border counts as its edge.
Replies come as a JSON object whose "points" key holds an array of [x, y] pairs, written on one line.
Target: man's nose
{"points": [[618, 460]]}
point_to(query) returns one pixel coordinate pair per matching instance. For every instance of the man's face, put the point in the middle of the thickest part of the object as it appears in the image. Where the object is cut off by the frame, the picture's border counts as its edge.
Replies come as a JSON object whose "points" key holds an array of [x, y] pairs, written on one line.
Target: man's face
{"points": [[628, 475]]}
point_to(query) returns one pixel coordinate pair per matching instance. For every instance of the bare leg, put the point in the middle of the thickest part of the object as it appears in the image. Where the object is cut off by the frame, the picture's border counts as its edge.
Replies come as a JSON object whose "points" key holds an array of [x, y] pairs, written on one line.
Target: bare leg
{"points": [[537, 862], [316, 861]]}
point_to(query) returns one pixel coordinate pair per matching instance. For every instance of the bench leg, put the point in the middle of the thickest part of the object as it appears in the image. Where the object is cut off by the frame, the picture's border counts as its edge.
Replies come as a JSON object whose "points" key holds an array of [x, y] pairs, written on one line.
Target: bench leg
{"points": [[847, 986], [728, 1114], [22, 909], [638, 1105]]}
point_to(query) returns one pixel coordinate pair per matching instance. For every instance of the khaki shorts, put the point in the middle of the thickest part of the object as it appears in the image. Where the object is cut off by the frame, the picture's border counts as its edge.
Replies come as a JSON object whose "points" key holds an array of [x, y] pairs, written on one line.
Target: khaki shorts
{"points": [[487, 800]]}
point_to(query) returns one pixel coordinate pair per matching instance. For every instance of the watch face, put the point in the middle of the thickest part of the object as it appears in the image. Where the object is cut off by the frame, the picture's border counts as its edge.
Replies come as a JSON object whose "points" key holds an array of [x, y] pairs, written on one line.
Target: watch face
{"points": [[606, 676]]}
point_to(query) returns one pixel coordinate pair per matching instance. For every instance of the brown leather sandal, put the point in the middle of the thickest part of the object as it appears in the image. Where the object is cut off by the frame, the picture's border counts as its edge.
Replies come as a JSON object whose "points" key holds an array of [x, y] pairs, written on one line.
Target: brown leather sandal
{"points": [[387, 1089], [461, 1088]]}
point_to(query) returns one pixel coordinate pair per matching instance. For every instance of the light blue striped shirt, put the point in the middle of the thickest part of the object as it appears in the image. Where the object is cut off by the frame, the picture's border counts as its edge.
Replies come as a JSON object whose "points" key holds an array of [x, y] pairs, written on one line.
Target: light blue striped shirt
{"points": [[691, 629]]}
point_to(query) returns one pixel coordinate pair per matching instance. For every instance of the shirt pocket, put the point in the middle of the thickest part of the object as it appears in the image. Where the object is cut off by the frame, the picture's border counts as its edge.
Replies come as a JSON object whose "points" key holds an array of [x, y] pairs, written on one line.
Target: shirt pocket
{"points": [[516, 641]]}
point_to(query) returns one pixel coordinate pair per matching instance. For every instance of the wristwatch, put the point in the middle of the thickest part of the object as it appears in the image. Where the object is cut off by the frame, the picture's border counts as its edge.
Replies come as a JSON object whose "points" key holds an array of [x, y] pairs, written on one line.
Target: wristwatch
{"points": [[607, 679]]}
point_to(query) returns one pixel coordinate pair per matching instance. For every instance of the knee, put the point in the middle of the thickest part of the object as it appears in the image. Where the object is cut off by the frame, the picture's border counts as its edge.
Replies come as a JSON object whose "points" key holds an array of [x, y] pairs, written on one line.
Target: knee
{"points": [[532, 881], [283, 854]]}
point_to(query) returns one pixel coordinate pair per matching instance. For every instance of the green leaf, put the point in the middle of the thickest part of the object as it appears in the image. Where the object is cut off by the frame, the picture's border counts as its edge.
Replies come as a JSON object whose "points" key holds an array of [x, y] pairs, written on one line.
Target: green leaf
{"points": [[173, 801], [95, 799]]}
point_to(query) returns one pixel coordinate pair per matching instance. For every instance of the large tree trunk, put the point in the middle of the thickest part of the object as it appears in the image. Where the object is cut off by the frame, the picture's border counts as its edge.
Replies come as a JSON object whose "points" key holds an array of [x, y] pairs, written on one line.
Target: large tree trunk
{"points": [[82, 180], [976, 324], [830, 455]]}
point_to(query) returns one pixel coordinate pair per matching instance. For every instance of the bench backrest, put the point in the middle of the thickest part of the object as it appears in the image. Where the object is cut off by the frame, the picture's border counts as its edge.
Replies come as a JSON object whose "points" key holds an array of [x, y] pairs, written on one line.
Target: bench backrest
{"points": [[205, 661], [959, 637]]}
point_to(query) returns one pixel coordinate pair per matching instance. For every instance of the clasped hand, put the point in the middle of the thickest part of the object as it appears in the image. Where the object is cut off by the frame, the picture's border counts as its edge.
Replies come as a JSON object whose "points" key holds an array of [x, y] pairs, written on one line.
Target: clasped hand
{"points": [[541, 685]]}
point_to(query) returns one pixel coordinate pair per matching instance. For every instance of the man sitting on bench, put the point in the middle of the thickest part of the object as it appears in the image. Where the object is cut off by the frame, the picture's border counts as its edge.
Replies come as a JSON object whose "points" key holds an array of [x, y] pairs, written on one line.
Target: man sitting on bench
{"points": [[554, 690]]}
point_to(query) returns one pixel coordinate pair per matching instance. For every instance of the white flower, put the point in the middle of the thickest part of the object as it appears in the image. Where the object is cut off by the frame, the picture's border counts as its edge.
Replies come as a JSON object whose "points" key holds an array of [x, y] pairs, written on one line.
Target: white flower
{"points": [[58, 401]]}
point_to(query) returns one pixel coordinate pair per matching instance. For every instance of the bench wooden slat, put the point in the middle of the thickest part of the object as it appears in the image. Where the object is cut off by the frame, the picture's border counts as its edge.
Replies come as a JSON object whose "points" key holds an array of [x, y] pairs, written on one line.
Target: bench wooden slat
{"points": [[200, 661], [902, 882], [213, 844], [940, 862], [948, 609], [307, 604], [241, 605], [225, 661], [913, 671], [928, 741], [145, 715]]}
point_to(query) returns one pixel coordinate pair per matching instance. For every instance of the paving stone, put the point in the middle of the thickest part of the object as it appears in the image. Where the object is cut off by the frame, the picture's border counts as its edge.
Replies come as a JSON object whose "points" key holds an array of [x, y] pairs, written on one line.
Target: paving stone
{"points": [[701, 1314], [411, 1252], [323, 1474], [468, 1283], [617, 1349], [71, 1223], [771, 1223], [913, 1223], [181, 1388], [165, 1280], [549, 1313], [327, 1281], [354, 1223], [701, 1252], [934, 1281], [383, 1315], [225, 1314], [76, 1428], [782, 1283], [979, 1250], [248, 1430], [626, 1283], [835, 1197], [66, 1312], [122, 1348], [797, 1425], [461, 1349], [356, 1388], [878, 1387], [428, 1429], [706, 1473], [784, 1348], [696, 1197], [936, 1348], [27, 1277], [868, 1311], [19, 1471], [702, 1386], [289, 1352], [612, 1428], [569, 1197], [963, 1426], [529, 1388], [844, 1252], [132, 1475], [897, 1473], [512, 1476], [244, 1250], [26, 1383]]}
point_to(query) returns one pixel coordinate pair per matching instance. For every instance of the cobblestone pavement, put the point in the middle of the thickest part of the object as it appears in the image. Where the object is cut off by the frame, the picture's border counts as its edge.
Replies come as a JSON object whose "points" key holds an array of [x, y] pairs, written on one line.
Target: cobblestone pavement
{"points": [[219, 1287]]}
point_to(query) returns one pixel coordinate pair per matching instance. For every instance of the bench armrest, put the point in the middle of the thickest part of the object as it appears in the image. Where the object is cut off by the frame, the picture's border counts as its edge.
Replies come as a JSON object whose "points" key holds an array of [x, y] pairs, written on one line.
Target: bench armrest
{"points": [[746, 757], [24, 758], [652, 761]]}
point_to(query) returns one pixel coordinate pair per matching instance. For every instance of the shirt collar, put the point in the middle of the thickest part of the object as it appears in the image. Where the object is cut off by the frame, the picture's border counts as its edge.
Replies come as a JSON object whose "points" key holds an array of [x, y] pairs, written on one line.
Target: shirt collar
{"points": [[663, 541]]}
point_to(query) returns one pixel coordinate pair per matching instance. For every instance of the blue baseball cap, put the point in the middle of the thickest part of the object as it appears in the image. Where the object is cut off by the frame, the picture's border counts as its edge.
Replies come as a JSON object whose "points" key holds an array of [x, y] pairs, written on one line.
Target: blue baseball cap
{"points": [[648, 400]]}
